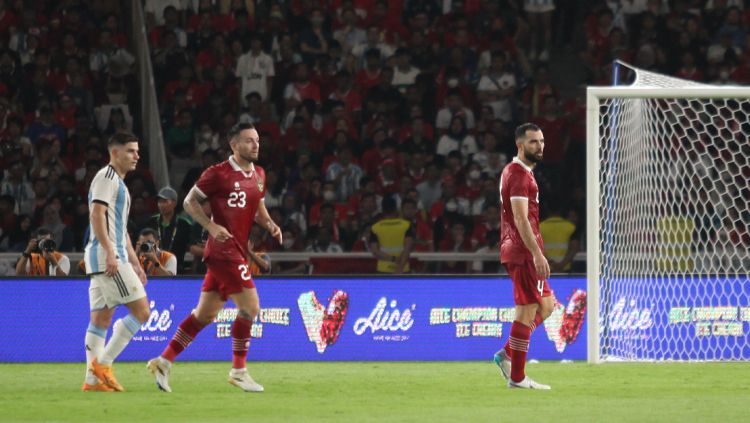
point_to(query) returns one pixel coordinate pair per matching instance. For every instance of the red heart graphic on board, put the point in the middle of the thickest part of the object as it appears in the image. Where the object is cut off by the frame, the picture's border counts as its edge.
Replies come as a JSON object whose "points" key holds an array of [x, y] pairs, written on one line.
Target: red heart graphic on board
{"points": [[573, 316], [564, 324], [323, 325]]}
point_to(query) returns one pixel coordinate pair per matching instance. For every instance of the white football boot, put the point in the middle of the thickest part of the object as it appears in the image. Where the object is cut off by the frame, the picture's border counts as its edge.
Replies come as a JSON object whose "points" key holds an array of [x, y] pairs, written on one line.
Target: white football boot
{"points": [[503, 362], [241, 379], [160, 368], [527, 383]]}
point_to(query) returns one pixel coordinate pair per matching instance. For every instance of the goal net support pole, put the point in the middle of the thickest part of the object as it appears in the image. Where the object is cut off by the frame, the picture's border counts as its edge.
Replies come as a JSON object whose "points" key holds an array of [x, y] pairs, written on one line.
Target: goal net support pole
{"points": [[668, 164]]}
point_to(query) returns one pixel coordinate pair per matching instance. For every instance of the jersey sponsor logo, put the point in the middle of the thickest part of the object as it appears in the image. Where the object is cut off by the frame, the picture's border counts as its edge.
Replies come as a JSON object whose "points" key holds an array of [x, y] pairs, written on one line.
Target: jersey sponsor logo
{"points": [[323, 324], [236, 186], [385, 316]]}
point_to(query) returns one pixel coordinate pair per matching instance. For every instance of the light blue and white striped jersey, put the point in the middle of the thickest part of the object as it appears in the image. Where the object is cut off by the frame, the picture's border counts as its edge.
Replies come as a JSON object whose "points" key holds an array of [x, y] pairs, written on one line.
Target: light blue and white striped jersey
{"points": [[109, 189]]}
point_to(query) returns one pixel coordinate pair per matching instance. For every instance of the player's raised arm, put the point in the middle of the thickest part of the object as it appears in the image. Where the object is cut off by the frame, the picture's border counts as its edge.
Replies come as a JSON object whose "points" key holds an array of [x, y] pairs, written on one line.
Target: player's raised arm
{"points": [[99, 227], [192, 206], [520, 208]]}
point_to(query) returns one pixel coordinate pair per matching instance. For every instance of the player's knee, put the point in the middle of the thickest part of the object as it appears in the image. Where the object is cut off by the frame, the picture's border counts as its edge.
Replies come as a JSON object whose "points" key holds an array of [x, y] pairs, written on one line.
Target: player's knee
{"points": [[142, 315], [205, 318], [249, 313], [101, 321], [545, 312]]}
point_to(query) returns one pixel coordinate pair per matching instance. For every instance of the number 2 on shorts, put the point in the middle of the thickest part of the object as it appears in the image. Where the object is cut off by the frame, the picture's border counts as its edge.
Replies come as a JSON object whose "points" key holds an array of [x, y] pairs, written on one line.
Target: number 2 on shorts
{"points": [[244, 272]]}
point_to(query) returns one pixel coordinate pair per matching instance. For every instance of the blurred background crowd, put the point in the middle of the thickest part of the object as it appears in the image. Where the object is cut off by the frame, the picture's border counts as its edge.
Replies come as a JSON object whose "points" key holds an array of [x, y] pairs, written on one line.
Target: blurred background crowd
{"points": [[355, 101]]}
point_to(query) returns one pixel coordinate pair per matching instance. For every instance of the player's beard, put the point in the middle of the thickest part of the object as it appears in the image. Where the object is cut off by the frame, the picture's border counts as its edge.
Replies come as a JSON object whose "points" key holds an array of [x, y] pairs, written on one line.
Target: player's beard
{"points": [[248, 158], [532, 157]]}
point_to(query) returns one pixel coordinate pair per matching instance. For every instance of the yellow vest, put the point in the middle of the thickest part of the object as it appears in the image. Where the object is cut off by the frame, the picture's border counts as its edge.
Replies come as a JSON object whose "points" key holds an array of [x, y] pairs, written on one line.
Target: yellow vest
{"points": [[391, 233], [675, 237], [556, 233]]}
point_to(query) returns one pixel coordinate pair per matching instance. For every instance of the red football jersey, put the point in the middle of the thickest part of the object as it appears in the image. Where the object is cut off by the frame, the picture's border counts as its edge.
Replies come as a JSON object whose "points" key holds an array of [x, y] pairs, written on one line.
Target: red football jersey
{"points": [[517, 180], [234, 196]]}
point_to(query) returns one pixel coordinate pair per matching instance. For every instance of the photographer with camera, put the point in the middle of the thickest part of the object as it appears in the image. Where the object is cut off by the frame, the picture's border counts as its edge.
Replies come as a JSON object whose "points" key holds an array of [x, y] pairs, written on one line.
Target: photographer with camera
{"points": [[154, 261], [40, 257]]}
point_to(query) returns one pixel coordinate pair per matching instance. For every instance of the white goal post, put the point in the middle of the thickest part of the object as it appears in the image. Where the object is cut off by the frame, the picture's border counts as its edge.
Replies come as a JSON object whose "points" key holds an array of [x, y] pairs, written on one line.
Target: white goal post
{"points": [[668, 171]]}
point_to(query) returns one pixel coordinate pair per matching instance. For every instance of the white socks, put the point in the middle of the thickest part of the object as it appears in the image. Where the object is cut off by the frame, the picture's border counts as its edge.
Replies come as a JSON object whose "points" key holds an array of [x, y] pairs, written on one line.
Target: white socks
{"points": [[94, 343], [123, 332]]}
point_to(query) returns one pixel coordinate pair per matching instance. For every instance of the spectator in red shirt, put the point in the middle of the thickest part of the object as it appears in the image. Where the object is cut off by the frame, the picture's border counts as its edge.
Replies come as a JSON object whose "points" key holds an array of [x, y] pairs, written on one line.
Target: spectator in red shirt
{"points": [[555, 131], [369, 76], [489, 223], [195, 93], [456, 242], [301, 89], [472, 186], [65, 115], [215, 54], [344, 93], [415, 166], [387, 179]]}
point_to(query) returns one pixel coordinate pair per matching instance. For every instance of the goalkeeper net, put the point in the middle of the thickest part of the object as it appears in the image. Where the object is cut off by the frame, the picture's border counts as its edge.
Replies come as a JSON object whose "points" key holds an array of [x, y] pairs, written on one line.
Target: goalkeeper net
{"points": [[668, 241]]}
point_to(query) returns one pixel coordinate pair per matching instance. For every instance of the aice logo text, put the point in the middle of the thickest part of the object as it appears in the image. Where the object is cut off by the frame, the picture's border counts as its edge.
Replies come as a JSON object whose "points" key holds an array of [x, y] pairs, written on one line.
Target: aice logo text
{"points": [[386, 317]]}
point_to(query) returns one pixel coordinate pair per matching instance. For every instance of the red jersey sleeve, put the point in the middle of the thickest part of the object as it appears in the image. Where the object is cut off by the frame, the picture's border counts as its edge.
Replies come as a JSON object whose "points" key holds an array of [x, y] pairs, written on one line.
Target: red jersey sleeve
{"points": [[208, 183], [518, 185]]}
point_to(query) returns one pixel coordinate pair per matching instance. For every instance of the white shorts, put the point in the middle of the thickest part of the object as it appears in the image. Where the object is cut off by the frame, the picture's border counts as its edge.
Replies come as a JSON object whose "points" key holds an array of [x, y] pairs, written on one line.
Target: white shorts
{"points": [[108, 292]]}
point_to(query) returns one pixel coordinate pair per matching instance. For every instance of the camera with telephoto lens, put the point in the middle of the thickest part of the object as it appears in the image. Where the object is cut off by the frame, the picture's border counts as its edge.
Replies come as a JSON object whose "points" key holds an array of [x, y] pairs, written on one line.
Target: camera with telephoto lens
{"points": [[47, 245], [148, 247]]}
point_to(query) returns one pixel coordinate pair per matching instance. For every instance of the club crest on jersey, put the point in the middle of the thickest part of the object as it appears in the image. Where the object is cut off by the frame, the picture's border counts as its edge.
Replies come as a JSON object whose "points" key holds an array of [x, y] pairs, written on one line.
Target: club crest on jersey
{"points": [[237, 186], [260, 185]]}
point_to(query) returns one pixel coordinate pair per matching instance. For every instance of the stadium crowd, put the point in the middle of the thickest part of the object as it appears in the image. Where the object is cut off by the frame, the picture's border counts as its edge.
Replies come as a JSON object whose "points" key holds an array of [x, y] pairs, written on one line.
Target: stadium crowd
{"points": [[354, 100]]}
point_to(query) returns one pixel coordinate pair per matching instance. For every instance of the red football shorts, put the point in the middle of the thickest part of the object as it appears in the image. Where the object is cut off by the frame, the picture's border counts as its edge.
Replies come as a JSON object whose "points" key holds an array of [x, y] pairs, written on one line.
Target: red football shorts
{"points": [[227, 278], [527, 288]]}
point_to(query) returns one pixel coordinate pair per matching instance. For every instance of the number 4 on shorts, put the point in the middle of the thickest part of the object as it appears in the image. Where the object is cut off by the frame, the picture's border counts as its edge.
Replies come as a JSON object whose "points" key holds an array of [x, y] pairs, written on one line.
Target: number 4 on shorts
{"points": [[540, 287]]}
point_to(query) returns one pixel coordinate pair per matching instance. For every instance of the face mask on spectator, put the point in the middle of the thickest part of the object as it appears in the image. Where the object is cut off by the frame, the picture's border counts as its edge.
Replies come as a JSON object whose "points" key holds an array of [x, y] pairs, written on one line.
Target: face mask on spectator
{"points": [[474, 174], [451, 206], [288, 243], [329, 195], [452, 83]]}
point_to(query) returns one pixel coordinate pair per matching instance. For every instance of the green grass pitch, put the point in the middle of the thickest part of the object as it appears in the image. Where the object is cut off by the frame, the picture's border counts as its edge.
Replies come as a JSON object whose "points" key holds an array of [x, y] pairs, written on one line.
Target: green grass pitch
{"points": [[385, 392]]}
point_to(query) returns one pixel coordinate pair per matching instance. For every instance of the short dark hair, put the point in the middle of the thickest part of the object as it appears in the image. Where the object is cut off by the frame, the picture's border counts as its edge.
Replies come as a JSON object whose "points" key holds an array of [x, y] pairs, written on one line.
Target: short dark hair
{"points": [[42, 232], [121, 138], [389, 204], [149, 231], [522, 128], [408, 201], [236, 129]]}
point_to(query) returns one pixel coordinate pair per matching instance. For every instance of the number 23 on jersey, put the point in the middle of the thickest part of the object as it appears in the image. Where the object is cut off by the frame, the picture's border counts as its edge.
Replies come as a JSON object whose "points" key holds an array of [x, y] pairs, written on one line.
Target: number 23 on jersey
{"points": [[237, 199]]}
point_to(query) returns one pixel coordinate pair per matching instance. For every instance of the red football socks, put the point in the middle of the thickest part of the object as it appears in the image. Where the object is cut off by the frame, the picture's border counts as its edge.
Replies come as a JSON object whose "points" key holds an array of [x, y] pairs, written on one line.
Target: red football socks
{"points": [[537, 321], [240, 341], [519, 345], [185, 334]]}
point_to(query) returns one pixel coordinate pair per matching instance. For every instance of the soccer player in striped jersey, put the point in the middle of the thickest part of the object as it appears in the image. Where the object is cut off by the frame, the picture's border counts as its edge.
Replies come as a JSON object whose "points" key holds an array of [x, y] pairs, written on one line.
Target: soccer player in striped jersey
{"points": [[522, 254], [116, 275]]}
